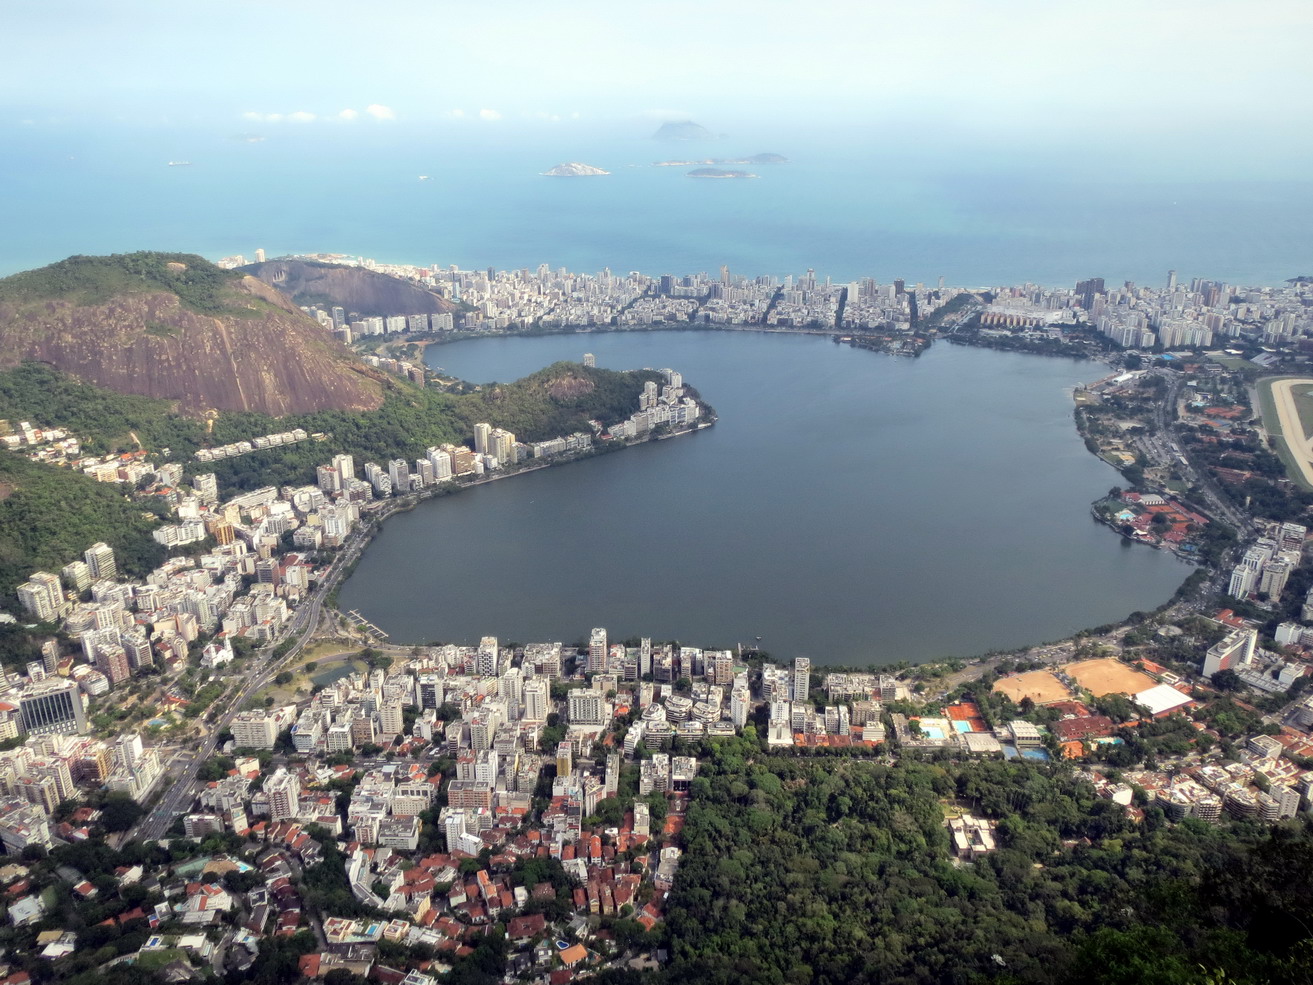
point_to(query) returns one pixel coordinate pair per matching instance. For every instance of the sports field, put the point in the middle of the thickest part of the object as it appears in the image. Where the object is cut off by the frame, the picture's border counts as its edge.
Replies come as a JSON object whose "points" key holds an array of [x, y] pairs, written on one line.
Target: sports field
{"points": [[1038, 685], [1108, 676]]}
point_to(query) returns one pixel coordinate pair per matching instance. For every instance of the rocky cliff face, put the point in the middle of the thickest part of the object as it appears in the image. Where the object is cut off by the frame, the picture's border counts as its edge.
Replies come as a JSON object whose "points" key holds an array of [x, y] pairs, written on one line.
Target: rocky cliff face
{"points": [[253, 351], [364, 292]]}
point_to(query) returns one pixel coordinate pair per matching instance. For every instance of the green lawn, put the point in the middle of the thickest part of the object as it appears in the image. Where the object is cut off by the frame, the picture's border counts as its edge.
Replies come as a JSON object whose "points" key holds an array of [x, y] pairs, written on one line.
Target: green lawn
{"points": [[1234, 362], [1272, 423]]}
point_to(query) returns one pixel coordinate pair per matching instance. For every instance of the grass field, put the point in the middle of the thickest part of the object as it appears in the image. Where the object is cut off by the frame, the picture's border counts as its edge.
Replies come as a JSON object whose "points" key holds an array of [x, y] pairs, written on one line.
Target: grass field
{"points": [[1304, 405], [1038, 685], [1272, 423], [1108, 676], [1234, 362]]}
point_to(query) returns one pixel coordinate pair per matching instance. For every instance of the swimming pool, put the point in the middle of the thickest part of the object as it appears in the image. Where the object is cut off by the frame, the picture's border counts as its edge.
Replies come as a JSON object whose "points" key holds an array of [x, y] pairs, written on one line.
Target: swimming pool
{"points": [[932, 731]]}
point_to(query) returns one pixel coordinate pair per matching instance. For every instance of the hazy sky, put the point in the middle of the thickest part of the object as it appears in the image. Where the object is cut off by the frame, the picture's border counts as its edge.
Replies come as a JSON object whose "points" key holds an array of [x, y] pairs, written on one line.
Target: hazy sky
{"points": [[1119, 70]]}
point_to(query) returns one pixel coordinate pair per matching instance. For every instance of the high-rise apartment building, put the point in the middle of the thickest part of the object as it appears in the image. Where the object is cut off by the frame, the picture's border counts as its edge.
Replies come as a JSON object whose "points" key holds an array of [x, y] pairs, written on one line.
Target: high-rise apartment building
{"points": [[100, 559], [537, 699], [802, 673], [399, 473], [52, 706], [43, 596], [284, 791], [482, 435], [597, 649]]}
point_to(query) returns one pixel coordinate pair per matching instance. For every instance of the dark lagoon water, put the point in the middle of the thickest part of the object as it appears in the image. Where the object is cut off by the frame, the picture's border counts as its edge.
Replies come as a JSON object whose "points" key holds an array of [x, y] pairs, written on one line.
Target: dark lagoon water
{"points": [[849, 506]]}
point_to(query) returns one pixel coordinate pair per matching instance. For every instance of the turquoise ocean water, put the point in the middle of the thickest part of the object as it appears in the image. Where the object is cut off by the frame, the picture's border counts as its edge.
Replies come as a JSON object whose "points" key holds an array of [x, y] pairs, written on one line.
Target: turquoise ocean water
{"points": [[885, 206]]}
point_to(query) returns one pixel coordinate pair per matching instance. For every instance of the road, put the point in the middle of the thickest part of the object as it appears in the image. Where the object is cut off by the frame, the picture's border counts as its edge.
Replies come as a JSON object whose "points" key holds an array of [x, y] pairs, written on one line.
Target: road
{"points": [[305, 620], [1162, 447]]}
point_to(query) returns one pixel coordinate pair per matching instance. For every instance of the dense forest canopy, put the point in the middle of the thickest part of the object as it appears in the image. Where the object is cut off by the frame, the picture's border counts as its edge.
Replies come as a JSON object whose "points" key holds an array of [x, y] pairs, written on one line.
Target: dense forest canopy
{"points": [[838, 871]]}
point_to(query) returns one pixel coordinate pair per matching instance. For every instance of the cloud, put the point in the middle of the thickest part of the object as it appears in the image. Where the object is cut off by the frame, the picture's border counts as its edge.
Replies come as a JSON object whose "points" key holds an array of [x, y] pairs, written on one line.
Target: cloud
{"points": [[301, 116], [380, 112], [666, 114], [489, 114], [348, 115], [456, 114], [263, 117]]}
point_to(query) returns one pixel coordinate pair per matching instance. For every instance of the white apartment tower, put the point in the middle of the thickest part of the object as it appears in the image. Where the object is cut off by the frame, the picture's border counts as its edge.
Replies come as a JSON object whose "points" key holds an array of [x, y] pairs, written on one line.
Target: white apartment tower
{"points": [[482, 436], [284, 791], [399, 473], [597, 648], [100, 559], [802, 677], [537, 699]]}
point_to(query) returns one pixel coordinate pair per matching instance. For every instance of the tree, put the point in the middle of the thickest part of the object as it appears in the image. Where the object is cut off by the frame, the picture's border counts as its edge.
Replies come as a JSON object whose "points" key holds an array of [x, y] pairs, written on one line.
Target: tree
{"points": [[120, 812], [1227, 680]]}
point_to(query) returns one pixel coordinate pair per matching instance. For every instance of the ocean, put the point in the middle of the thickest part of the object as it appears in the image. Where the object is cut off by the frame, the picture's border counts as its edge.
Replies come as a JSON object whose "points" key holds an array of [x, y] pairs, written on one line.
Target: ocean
{"points": [[887, 206]]}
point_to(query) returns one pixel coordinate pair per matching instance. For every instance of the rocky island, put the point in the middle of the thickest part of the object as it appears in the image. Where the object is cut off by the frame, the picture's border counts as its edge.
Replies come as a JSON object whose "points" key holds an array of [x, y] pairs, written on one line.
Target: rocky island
{"points": [[573, 169], [719, 173]]}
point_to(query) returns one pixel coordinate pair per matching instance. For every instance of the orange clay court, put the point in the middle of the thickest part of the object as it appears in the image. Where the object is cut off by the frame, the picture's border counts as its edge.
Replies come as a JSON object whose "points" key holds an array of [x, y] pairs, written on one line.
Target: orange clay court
{"points": [[1038, 685], [1108, 676]]}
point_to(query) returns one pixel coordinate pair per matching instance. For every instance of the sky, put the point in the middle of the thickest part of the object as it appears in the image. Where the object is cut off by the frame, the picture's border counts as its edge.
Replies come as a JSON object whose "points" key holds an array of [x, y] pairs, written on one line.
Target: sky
{"points": [[1199, 75]]}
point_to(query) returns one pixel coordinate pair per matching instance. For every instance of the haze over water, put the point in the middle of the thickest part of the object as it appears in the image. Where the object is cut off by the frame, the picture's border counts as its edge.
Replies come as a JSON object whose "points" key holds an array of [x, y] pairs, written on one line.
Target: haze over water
{"points": [[850, 506], [848, 205]]}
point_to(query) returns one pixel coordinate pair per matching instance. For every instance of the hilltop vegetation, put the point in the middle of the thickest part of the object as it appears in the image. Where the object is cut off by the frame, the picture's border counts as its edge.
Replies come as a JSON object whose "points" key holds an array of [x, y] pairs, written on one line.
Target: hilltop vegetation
{"points": [[557, 400], [89, 280], [49, 516], [833, 872]]}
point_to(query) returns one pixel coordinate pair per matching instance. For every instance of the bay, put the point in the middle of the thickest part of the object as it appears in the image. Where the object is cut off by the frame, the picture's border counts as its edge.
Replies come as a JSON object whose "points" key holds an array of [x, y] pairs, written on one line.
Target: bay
{"points": [[849, 506]]}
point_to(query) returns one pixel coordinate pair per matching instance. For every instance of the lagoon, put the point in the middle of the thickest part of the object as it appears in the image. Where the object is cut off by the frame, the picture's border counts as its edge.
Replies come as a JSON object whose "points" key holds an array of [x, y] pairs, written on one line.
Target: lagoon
{"points": [[850, 506]]}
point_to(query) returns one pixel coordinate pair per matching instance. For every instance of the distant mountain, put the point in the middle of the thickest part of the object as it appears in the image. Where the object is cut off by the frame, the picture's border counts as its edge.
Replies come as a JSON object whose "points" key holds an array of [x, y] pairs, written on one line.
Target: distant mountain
{"points": [[358, 290], [683, 130], [574, 169], [175, 327]]}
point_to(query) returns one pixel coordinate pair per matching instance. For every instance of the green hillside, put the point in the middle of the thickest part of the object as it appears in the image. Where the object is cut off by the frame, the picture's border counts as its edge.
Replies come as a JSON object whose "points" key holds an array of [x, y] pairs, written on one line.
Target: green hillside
{"points": [[556, 400], [94, 279], [49, 516]]}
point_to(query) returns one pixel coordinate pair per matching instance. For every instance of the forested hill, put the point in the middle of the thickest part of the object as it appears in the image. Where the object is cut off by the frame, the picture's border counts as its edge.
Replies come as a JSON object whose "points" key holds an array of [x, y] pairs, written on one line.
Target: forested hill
{"points": [[49, 516], [557, 400], [838, 872]]}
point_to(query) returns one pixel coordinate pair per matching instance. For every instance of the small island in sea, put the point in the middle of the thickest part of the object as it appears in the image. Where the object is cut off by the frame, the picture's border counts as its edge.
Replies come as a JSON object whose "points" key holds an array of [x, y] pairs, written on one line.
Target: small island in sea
{"points": [[682, 130], [573, 169], [754, 159], [719, 173]]}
